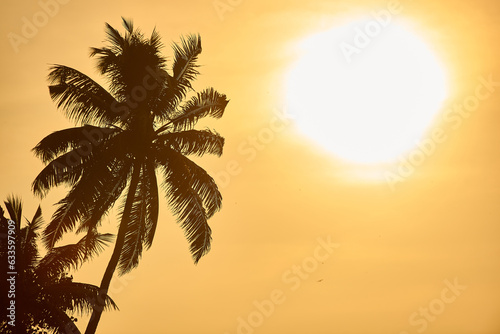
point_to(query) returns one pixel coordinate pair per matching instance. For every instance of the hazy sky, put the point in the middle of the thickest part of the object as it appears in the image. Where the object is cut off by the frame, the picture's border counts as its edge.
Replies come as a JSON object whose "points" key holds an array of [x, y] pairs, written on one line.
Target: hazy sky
{"points": [[301, 245]]}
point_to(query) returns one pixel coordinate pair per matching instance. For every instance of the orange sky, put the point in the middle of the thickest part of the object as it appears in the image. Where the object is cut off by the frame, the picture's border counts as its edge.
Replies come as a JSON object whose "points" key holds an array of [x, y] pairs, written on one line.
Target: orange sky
{"points": [[396, 251]]}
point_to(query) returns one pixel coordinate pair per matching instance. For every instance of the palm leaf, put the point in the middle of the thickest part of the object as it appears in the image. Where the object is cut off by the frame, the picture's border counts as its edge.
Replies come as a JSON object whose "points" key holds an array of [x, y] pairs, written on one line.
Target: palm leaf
{"points": [[68, 257], [128, 24], [29, 239], [201, 182], [26, 237], [70, 167], [64, 219], [14, 207], [67, 168], [36, 222], [81, 199], [106, 62], [183, 186], [70, 139], [83, 100], [134, 236], [142, 220], [184, 68], [115, 38], [111, 191], [207, 103], [193, 142], [77, 297], [155, 40]]}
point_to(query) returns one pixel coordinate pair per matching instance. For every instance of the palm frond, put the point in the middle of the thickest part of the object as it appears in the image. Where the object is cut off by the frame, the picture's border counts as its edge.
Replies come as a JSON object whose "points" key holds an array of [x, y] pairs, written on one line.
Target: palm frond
{"points": [[26, 237], [93, 243], [155, 40], [128, 24], [68, 257], [83, 197], [111, 191], [142, 220], [190, 190], [83, 100], [29, 239], [77, 297], [185, 57], [106, 62], [207, 103], [151, 188], [133, 244], [70, 139], [64, 219], [201, 182], [67, 168], [14, 206], [115, 38], [36, 222], [193, 142], [167, 100]]}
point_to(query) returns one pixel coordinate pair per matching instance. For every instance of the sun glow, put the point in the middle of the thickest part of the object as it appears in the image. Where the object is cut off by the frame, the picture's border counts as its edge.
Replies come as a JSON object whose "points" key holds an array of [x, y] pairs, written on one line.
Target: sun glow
{"points": [[367, 99]]}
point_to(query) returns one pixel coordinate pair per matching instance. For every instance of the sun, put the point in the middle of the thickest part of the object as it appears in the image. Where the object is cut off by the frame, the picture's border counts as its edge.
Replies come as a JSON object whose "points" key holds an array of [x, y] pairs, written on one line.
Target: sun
{"points": [[366, 95]]}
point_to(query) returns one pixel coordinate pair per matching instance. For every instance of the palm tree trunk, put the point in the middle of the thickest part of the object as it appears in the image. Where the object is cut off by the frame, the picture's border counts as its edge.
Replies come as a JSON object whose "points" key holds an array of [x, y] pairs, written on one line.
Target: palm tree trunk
{"points": [[113, 262]]}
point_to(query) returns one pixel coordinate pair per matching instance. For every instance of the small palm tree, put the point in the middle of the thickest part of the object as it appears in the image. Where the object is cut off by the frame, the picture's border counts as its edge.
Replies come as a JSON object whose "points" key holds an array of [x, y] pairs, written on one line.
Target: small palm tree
{"points": [[45, 295], [141, 127]]}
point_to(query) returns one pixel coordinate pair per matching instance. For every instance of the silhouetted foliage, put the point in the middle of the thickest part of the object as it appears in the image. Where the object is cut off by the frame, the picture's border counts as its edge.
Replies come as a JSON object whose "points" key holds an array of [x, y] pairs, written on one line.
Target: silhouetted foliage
{"points": [[140, 126], [45, 295]]}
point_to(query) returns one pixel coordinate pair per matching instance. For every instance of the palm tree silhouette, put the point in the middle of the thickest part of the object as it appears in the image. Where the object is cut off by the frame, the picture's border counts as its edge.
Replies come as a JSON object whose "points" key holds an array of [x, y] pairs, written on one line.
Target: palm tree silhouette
{"points": [[44, 293], [141, 126]]}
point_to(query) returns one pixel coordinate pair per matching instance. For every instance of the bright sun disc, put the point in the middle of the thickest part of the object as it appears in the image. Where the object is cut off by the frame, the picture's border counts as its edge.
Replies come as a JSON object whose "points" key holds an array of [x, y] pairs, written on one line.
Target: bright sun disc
{"points": [[369, 106]]}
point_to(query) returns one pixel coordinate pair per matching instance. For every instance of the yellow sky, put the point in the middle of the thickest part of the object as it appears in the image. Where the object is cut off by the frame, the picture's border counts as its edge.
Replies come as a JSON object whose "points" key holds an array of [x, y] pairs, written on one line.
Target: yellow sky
{"points": [[394, 252]]}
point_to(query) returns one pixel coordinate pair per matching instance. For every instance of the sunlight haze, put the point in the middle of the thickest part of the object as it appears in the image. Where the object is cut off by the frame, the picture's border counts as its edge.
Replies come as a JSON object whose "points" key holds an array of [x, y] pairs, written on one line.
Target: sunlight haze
{"points": [[361, 187]]}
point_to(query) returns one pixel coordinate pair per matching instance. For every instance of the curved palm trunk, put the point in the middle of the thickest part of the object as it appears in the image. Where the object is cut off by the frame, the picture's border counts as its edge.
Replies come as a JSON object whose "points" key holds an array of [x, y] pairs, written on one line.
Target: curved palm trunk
{"points": [[113, 262]]}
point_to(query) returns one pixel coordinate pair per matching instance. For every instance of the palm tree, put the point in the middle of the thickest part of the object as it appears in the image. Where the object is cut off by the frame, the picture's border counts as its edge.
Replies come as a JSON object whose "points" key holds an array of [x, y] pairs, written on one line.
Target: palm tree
{"points": [[43, 291], [141, 127]]}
